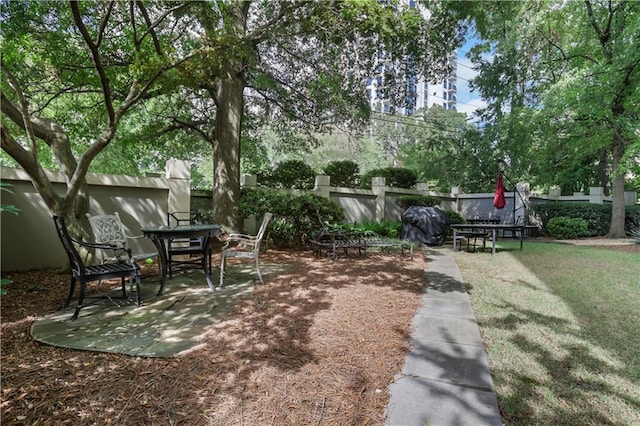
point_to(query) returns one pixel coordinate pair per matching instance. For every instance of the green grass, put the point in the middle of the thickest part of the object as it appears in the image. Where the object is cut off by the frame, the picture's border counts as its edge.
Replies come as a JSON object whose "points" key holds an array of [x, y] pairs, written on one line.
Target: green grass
{"points": [[561, 326]]}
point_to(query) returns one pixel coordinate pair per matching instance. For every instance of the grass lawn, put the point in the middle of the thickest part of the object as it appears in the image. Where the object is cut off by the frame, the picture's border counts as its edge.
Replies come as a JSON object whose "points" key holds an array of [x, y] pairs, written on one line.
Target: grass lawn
{"points": [[561, 326]]}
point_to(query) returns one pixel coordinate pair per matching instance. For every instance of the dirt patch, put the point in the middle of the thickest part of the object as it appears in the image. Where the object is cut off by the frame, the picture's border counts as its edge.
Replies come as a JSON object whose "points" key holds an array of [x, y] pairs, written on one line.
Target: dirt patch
{"points": [[317, 344]]}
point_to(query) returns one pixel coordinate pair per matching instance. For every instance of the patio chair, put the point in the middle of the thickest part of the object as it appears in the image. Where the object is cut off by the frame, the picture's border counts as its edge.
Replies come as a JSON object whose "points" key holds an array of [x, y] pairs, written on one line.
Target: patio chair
{"points": [[189, 253], [244, 246], [122, 268], [108, 229]]}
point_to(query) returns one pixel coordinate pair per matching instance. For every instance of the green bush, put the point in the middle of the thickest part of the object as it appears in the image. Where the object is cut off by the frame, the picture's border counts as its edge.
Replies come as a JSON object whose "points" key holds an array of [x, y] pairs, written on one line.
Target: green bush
{"points": [[290, 174], [563, 227], [598, 216], [383, 228], [395, 177], [632, 219], [295, 215], [343, 173], [454, 217], [406, 201]]}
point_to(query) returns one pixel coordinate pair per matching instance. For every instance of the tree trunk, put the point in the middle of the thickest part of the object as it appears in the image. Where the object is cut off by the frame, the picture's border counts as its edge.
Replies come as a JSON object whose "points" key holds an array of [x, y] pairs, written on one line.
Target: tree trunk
{"points": [[228, 95], [616, 229], [226, 153]]}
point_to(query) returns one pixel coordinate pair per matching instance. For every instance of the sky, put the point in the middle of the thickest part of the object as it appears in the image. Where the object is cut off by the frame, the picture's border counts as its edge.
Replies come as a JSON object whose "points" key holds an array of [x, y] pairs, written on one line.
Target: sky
{"points": [[468, 101]]}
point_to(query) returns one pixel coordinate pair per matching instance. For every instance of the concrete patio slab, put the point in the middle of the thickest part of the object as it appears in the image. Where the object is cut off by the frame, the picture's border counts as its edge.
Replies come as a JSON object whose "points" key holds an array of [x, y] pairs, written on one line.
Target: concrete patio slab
{"points": [[163, 326]]}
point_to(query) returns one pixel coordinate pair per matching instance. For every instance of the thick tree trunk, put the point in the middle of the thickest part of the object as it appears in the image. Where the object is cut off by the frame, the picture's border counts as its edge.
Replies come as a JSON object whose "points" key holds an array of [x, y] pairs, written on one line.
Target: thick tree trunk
{"points": [[616, 229], [226, 153], [228, 94]]}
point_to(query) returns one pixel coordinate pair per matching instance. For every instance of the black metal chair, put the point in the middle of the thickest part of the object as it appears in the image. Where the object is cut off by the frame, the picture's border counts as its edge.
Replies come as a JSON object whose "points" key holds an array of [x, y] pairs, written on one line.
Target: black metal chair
{"points": [[122, 267], [184, 254]]}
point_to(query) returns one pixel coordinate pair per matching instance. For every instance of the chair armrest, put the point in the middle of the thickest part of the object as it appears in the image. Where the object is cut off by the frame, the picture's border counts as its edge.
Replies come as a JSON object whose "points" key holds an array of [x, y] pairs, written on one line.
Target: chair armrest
{"points": [[104, 246], [240, 240], [240, 237], [133, 237]]}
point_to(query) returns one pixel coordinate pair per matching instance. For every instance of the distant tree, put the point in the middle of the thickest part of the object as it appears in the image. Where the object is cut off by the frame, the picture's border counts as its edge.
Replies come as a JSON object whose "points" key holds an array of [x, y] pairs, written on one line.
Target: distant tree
{"points": [[564, 82]]}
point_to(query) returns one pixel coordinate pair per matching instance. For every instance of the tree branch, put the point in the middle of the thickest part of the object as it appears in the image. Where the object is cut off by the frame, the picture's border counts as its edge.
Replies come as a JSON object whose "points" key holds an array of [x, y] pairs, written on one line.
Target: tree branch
{"points": [[97, 62]]}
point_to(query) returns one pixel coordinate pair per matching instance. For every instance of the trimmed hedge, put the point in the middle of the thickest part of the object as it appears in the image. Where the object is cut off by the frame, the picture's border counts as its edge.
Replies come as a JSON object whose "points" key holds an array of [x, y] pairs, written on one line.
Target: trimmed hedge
{"points": [[597, 216], [290, 174], [343, 173], [295, 215], [564, 228], [396, 177]]}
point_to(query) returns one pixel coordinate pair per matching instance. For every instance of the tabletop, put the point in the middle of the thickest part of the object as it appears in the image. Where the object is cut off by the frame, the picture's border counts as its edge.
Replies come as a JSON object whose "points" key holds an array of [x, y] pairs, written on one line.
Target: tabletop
{"points": [[180, 230]]}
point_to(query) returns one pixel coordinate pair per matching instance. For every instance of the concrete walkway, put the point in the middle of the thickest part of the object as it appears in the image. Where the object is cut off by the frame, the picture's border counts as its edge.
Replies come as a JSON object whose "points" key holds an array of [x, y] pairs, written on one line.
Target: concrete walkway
{"points": [[446, 379]]}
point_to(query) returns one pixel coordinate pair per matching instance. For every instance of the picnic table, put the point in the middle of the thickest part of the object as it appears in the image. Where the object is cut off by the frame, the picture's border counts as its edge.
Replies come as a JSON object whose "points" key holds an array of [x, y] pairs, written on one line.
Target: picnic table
{"points": [[487, 230]]}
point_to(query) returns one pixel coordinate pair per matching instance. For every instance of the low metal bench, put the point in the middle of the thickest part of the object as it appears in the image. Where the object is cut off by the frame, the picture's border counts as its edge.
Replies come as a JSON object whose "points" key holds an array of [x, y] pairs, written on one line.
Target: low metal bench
{"points": [[337, 243], [387, 245]]}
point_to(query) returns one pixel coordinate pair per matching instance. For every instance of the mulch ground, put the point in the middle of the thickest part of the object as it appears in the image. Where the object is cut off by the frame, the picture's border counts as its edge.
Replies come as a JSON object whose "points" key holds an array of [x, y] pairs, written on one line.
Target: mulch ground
{"points": [[317, 344]]}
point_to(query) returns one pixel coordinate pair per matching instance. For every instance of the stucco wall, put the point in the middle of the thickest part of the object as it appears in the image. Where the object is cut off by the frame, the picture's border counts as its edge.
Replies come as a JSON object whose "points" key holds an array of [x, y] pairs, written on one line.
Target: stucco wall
{"points": [[29, 240]]}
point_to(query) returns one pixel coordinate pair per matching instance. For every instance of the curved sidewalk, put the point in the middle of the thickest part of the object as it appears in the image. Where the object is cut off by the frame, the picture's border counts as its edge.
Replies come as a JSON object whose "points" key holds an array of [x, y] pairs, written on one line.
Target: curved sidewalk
{"points": [[446, 379]]}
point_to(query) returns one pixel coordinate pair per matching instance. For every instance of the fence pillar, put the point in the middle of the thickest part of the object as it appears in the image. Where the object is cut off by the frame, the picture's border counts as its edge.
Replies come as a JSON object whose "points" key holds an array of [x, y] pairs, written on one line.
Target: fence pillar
{"points": [[249, 224], [378, 188], [322, 186], [178, 173], [630, 198], [248, 181]]}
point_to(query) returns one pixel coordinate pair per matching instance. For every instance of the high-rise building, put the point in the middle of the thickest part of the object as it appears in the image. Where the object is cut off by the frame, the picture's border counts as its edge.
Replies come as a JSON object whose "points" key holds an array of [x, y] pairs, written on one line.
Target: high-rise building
{"points": [[419, 93]]}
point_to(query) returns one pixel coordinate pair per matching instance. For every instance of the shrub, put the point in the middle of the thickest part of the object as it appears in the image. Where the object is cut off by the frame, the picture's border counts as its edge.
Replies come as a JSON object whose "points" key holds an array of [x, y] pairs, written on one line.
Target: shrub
{"points": [[597, 216], [295, 215], [632, 219], [563, 227], [395, 177], [383, 228], [343, 173], [290, 174], [454, 217], [406, 201]]}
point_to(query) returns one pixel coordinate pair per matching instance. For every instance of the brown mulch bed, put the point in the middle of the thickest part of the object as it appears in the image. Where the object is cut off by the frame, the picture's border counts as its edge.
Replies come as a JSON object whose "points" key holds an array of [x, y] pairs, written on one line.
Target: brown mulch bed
{"points": [[317, 344]]}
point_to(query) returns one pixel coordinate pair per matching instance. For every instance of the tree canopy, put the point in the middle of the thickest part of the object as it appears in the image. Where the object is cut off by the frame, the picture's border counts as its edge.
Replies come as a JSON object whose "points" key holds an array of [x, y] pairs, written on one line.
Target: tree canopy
{"points": [[79, 77], [561, 79]]}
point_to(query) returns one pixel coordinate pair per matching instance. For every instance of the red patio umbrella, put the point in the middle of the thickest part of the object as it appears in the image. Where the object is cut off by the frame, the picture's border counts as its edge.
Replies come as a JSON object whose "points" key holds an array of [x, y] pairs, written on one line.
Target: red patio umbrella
{"points": [[498, 199]]}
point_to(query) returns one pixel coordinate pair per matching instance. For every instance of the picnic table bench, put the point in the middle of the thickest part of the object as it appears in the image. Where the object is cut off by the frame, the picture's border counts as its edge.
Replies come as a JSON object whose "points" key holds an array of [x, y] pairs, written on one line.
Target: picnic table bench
{"points": [[335, 243]]}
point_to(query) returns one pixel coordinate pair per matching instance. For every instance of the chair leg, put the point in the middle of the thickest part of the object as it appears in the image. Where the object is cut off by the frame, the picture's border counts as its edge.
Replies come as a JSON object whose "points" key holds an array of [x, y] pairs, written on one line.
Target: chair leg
{"points": [[258, 270], [222, 265], [80, 300], [136, 276], [72, 289]]}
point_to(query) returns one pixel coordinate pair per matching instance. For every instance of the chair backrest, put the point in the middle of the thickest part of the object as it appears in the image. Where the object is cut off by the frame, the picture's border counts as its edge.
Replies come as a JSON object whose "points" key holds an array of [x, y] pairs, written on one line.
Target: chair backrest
{"points": [[77, 266], [262, 230], [108, 229], [183, 218]]}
